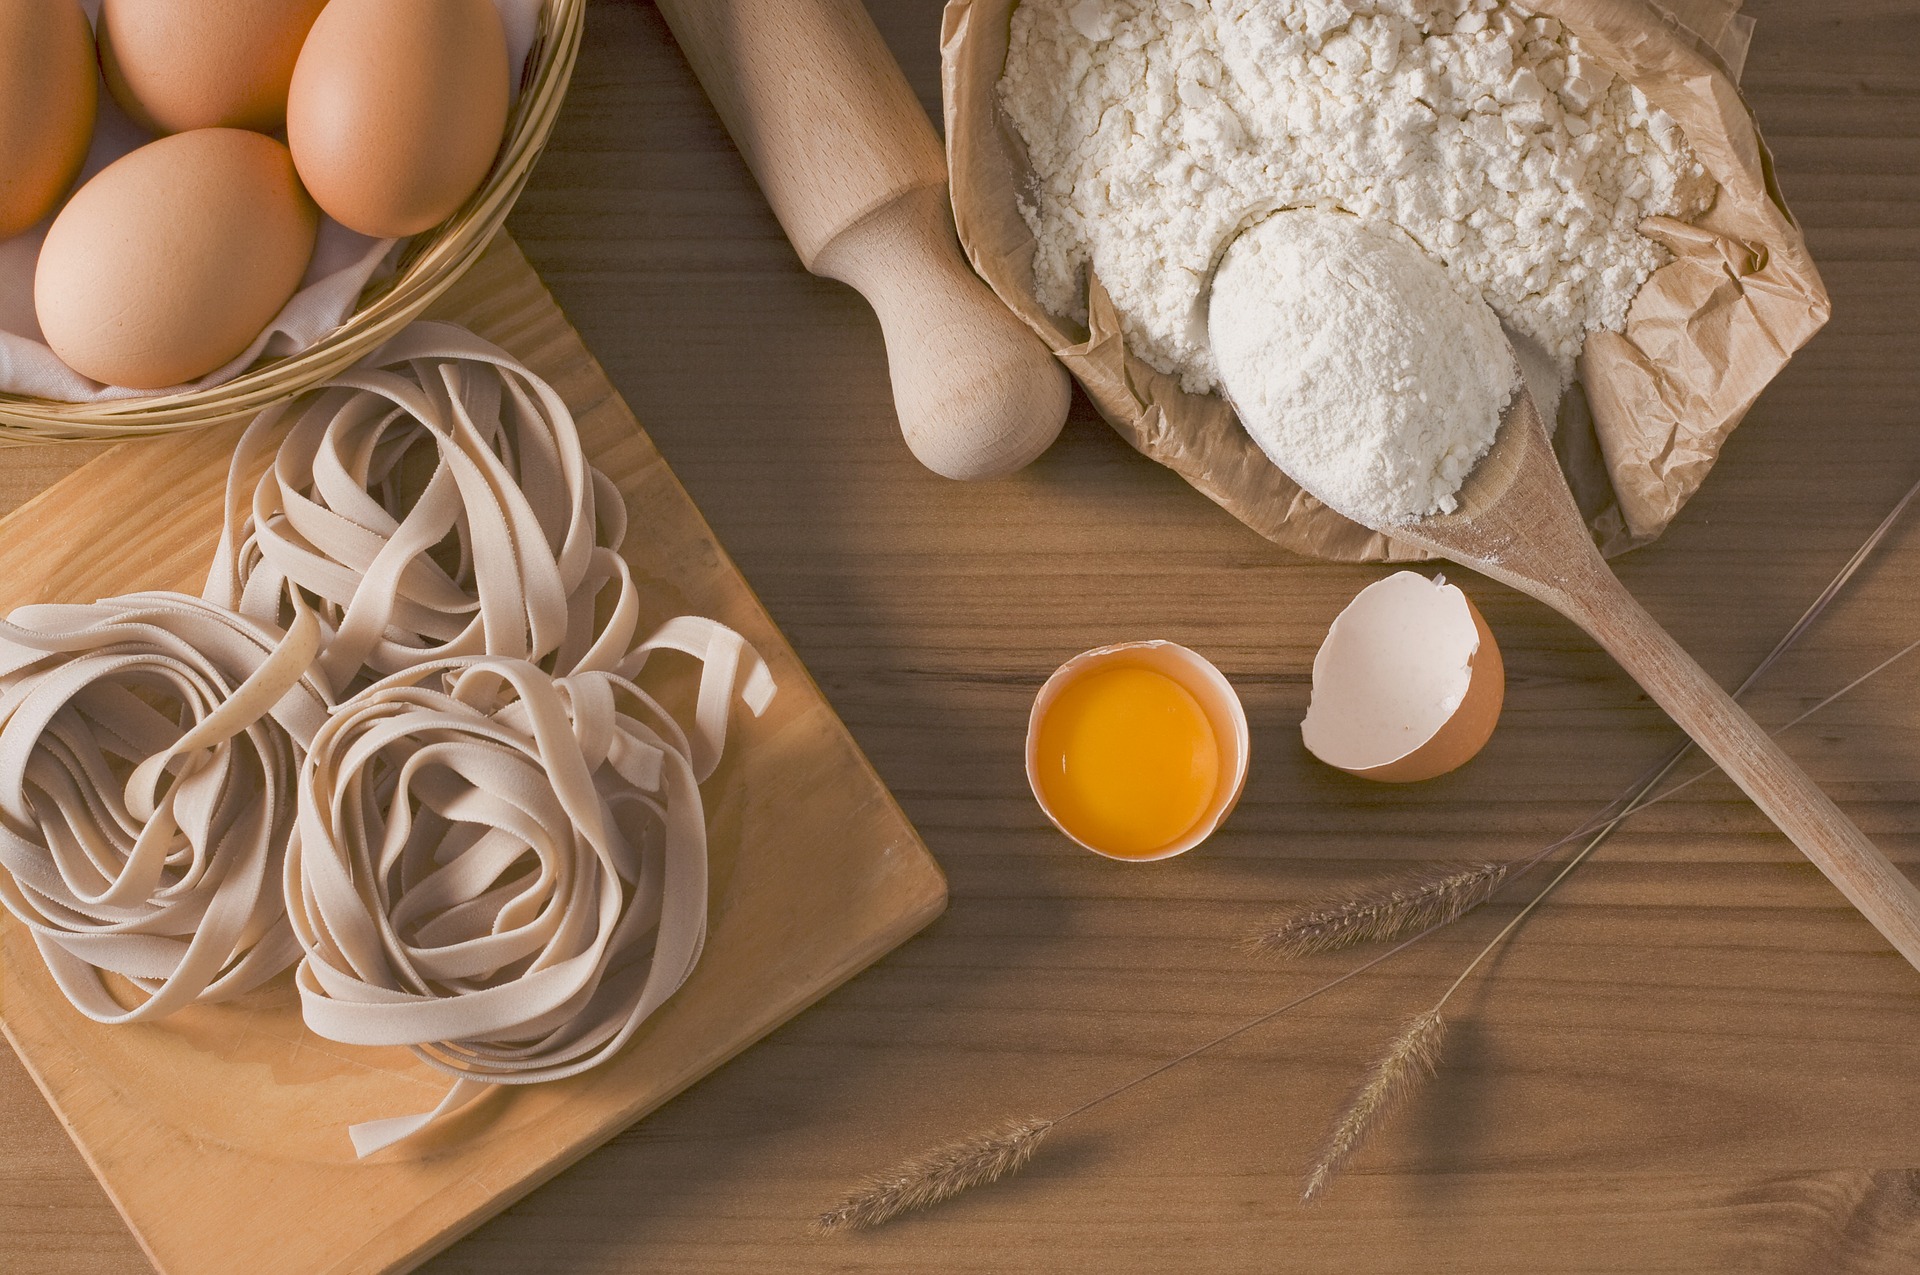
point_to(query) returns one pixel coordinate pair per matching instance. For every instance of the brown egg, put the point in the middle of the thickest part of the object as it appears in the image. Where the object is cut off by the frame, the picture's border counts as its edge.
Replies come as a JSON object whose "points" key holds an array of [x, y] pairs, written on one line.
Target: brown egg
{"points": [[174, 258], [1408, 683], [397, 110], [175, 65], [47, 103]]}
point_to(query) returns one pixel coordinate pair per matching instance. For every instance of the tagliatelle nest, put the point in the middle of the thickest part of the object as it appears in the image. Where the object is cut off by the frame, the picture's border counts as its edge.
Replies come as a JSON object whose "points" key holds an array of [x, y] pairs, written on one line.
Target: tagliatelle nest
{"points": [[148, 746], [432, 502], [504, 870], [494, 853], [500, 860]]}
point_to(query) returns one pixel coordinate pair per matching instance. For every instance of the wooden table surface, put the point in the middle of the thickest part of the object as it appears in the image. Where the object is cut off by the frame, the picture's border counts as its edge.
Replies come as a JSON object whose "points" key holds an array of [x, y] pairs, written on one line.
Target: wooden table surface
{"points": [[1694, 1058]]}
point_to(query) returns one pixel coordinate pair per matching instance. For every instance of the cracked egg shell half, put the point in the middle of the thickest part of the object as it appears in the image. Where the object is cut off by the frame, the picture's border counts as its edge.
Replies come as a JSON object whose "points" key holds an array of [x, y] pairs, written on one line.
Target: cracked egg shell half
{"points": [[1408, 683]]}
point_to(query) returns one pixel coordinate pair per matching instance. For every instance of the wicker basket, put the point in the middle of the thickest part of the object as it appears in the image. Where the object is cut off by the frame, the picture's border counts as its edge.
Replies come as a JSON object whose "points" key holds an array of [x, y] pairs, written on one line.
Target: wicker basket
{"points": [[431, 263]]}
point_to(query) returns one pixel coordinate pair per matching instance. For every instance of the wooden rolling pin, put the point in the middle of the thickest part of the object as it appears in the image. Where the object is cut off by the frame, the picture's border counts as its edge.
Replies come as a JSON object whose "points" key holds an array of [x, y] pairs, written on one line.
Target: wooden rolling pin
{"points": [[845, 154]]}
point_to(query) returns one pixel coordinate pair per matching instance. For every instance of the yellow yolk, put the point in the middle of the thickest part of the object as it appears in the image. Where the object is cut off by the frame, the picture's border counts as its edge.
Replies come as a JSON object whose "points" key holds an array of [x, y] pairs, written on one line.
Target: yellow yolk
{"points": [[1127, 760]]}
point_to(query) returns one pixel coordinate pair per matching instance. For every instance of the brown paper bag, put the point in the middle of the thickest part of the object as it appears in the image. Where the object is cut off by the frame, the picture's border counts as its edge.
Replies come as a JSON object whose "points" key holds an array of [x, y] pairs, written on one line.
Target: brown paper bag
{"points": [[1650, 407]]}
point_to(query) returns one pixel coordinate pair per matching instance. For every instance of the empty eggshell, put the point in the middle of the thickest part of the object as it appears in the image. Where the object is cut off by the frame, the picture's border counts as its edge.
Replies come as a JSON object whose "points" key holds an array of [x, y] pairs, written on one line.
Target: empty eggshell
{"points": [[397, 110], [175, 65], [1408, 683], [47, 105], [172, 259]]}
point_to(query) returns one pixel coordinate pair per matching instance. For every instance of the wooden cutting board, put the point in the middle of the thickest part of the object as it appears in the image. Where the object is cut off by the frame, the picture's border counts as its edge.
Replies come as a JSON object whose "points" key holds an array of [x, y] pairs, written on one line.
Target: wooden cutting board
{"points": [[220, 1133]]}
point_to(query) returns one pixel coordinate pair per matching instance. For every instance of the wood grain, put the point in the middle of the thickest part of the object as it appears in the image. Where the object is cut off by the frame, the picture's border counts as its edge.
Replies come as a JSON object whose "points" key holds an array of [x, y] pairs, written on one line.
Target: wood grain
{"points": [[1517, 523], [1696, 1059]]}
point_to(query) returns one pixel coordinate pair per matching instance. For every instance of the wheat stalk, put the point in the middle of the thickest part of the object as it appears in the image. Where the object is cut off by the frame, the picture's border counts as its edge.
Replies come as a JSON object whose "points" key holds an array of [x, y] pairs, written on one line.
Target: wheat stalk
{"points": [[1409, 1058], [936, 1175], [1387, 910], [1406, 1062], [1358, 1120], [948, 1170]]}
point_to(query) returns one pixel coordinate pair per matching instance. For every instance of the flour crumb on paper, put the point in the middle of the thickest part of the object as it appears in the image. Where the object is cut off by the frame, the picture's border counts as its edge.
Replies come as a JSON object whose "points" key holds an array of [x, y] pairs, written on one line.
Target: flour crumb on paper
{"points": [[1158, 129]]}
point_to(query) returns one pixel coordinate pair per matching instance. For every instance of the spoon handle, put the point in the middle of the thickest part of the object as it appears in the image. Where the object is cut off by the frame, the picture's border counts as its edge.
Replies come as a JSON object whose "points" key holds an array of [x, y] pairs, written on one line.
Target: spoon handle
{"points": [[1722, 730]]}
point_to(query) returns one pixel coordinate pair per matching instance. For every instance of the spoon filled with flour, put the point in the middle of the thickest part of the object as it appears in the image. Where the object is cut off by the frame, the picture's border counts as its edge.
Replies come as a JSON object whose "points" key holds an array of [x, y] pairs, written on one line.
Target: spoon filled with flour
{"points": [[1358, 364], [1397, 401]]}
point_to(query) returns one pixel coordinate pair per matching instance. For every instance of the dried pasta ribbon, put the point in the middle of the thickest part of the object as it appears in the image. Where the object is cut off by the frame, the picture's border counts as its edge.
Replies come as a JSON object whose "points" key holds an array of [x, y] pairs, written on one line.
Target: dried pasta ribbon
{"points": [[504, 870], [434, 502], [494, 854], [148, 752]]}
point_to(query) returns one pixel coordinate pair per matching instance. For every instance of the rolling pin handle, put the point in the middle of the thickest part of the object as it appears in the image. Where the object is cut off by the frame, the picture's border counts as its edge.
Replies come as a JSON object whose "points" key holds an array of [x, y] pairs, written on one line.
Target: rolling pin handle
{"points": [[977, 394], [851, 166]]}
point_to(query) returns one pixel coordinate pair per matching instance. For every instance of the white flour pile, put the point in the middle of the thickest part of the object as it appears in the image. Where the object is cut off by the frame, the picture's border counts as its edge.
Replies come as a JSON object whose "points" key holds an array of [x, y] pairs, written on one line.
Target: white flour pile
{"points": [[1357, 365], [1158, 129]]}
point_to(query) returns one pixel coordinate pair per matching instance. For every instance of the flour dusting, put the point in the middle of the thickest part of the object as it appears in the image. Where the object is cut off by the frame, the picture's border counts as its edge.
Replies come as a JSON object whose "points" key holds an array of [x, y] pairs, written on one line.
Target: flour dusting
{"points": [[1158, 129]]}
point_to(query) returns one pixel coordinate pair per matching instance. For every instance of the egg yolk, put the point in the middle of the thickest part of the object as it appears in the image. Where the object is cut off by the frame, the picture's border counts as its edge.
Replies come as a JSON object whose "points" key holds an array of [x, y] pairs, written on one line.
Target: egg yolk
{"points": [[1127, 760]]}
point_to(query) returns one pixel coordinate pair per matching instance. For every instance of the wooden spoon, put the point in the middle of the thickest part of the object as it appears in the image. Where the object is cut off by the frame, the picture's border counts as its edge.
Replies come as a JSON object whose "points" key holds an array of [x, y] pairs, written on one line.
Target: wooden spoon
{"points": [[1517, 522]]}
